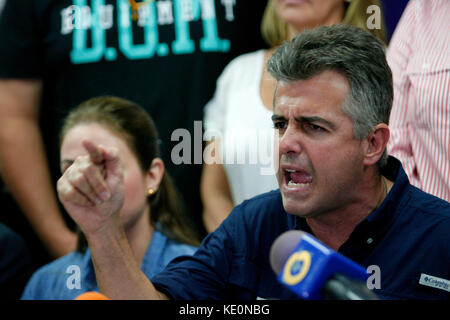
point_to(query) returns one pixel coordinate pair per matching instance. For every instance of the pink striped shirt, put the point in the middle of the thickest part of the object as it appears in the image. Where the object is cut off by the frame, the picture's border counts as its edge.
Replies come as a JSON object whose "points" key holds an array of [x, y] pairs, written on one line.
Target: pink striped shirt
{"points": [[419, 56]]}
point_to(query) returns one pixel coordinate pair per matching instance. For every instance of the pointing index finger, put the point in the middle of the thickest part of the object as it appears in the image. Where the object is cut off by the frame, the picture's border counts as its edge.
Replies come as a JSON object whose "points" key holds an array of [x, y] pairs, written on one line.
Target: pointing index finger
{"points": [[95, 152]]}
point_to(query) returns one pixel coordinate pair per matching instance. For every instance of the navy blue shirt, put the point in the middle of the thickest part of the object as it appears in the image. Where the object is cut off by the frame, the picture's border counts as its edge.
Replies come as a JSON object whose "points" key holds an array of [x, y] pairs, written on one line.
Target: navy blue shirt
{"points": [[407, 238]]}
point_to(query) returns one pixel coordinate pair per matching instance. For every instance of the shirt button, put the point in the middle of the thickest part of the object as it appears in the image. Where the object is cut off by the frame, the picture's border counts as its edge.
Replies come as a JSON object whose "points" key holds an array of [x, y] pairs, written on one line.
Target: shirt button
{"points": [[369, 241]]}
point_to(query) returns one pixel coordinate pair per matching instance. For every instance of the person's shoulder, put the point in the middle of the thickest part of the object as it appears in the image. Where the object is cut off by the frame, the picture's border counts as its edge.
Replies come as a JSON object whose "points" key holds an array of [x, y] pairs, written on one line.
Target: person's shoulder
{"points": [[52, 275], [427, 213], [165, 249], [266, 208], [178, 248], [69, 259], [272, 197], [247, 57], [240, 65], [59, 267], [428, 204], [252, 226], [429, 216]]}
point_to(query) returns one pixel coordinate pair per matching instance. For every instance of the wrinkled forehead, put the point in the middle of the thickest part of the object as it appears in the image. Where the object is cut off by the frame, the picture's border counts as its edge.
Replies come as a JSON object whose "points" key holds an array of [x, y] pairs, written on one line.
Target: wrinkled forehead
{"points": [[328, 88]]}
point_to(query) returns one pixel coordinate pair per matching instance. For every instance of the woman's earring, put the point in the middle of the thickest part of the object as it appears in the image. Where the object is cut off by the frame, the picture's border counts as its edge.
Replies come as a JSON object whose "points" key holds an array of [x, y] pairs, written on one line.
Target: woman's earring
{"points": [[150, 192]]}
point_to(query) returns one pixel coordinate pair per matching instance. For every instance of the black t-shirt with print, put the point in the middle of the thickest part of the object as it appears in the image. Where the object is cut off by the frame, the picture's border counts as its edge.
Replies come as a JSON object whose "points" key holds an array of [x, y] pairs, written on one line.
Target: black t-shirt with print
{"points": [[167, 60]]}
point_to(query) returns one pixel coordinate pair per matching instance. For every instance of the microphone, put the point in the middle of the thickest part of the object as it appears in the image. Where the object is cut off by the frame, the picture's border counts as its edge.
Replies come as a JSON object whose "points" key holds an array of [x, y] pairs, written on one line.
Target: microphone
{"points": [[314, 271], [91, 295]]}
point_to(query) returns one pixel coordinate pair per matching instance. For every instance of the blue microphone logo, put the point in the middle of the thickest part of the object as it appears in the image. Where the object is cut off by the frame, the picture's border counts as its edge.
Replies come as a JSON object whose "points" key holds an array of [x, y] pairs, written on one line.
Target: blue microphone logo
{"points": [[296, 268], [311, 264]]}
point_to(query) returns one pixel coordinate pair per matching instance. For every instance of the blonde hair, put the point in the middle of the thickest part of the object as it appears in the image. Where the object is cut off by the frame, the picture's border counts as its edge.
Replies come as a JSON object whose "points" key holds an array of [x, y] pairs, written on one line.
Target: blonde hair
{"points": [[275, 31]]}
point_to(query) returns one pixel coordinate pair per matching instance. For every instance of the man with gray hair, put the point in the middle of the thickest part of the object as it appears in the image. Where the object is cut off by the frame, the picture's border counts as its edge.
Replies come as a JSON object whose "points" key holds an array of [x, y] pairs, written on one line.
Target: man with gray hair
{"points": [[331, 111]]}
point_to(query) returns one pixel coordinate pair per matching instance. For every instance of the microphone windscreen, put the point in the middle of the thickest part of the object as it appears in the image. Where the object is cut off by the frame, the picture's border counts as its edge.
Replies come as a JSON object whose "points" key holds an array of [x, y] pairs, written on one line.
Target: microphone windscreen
{"points": [[91, 295], [282, 248]]}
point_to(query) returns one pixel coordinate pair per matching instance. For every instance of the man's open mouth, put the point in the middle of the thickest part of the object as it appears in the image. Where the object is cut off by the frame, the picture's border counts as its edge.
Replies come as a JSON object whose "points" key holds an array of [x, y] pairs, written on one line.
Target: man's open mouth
{"points": [[297, 178]]}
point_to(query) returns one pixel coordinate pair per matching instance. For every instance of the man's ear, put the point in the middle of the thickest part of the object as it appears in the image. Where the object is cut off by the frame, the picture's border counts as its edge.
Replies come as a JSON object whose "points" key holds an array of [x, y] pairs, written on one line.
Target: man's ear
{"points": [[376, 143], [155, 174]]}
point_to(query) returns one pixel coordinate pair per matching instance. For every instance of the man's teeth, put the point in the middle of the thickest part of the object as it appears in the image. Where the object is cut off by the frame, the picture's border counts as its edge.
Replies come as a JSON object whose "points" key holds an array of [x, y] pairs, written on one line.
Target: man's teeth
{"points": [[294, 184]]}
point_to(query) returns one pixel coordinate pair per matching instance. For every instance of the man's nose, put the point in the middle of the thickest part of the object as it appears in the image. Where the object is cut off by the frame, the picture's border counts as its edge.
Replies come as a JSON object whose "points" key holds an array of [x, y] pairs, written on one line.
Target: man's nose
{"points": [[289, 141]]}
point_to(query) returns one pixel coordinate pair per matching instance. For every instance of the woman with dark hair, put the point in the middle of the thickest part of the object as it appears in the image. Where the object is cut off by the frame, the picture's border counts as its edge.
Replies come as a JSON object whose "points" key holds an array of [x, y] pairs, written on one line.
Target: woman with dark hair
{"points": [[150, 211]]}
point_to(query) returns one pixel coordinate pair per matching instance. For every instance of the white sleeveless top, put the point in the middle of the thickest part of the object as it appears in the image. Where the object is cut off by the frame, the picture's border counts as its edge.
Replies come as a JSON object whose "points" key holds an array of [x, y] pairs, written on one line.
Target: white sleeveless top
{"points": [[237, 116]]}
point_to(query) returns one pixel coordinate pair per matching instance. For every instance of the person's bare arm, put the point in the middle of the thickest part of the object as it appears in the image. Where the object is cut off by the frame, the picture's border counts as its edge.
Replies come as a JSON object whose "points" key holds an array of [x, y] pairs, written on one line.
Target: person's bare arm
{"points": [[92, 191], [117, 273], [23, 164], [215, 193]]}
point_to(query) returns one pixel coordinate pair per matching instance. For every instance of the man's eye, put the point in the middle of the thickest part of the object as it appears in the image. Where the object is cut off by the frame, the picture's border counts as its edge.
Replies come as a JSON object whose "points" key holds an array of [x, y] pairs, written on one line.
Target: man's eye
{"points": [[279, 125], [313, 127]]}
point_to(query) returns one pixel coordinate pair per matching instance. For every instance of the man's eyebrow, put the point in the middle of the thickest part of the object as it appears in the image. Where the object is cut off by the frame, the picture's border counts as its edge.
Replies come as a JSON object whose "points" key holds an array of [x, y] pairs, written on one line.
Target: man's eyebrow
{"points": [[315, 119], [312, 119], [277, 117]]}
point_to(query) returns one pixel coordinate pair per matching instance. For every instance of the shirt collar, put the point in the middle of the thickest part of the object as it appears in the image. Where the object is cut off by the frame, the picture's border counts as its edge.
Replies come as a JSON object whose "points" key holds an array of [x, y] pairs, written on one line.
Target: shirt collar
{"points": [[394, 172], [369, 232]]}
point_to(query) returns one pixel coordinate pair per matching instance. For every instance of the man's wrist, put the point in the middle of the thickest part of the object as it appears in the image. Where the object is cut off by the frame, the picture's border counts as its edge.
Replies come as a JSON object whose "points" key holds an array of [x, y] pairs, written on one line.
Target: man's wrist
{"points": [[113, 231]]}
